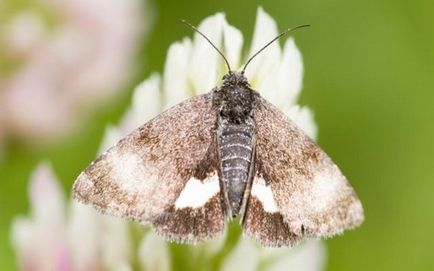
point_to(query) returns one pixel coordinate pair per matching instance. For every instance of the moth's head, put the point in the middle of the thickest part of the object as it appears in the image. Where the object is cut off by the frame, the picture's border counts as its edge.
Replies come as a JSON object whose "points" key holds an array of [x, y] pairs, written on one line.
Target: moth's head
{"points": [[234, 98], [234, 78]]}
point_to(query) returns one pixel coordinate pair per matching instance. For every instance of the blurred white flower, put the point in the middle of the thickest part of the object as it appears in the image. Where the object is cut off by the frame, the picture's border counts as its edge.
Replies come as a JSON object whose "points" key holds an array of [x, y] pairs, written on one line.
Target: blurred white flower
{"points": [[53, 238], [308, 256], [40, 241], [66, 69], [245, 256], [194, 67], [154, 253]]}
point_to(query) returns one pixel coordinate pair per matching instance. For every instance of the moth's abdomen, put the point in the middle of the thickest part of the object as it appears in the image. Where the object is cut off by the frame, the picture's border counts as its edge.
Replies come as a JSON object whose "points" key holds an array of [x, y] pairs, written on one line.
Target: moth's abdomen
{"points": [[236, 149]]}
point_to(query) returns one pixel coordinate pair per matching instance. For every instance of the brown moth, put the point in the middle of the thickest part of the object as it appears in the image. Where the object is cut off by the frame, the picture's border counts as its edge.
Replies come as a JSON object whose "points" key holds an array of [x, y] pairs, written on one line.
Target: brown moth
{"points": [[216, 156]]}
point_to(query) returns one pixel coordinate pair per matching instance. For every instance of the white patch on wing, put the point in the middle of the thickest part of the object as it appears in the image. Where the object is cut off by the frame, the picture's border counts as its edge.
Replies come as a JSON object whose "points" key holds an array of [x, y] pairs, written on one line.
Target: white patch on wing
{"points": [[196, 193], [325, 188], [264, 195], [129, 171]]}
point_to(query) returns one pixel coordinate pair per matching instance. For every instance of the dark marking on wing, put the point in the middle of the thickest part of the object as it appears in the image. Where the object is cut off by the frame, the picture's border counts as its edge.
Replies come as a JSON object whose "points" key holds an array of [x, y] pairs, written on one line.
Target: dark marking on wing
{"points": [[269, 229], [190, 225]]}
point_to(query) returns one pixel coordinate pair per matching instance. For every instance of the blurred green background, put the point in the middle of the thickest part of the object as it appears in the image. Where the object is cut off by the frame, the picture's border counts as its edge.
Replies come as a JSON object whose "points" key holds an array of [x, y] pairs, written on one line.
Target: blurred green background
{"points": [[369, 69]]}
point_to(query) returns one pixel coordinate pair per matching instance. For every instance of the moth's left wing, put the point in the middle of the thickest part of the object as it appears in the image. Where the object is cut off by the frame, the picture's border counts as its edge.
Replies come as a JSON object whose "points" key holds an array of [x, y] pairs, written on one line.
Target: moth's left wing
{"points": [[297, 190], [164, 173]]}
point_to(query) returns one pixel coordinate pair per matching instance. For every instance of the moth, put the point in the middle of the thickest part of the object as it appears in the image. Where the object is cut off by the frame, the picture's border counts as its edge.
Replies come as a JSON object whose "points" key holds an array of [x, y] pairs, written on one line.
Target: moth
{"points": [[217, 156]]}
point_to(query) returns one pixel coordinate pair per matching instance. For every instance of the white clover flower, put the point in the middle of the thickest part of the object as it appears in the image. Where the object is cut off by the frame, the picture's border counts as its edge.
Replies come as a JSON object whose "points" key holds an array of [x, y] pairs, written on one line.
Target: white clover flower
{"points": [[194, 67], [79, 239]]}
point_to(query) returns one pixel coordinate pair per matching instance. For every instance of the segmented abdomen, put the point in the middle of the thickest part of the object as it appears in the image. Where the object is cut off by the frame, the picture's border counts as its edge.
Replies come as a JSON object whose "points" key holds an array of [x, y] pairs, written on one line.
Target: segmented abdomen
{"points": [[236, 148]]}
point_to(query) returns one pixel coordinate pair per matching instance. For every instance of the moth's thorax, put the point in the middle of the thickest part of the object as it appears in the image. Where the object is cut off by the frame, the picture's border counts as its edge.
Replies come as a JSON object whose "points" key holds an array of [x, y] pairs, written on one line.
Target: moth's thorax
{"points": [[235, 98]]}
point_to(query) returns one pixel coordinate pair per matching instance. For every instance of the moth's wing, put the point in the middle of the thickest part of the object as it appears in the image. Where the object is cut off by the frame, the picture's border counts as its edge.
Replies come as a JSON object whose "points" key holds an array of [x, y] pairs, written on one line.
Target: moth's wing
{"points": [[297, 190], [164, 173], [197, 213]]}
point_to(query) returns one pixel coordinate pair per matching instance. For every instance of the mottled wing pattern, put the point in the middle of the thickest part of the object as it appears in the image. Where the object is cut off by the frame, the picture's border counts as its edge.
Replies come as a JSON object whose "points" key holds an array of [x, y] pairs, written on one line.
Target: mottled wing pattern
{"points": [[155, 174], [297, 190]]}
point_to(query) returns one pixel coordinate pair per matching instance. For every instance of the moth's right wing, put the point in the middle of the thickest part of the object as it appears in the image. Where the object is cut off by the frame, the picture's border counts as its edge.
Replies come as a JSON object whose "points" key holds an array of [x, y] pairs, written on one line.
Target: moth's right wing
{"points": [[164, 173], [297, 191]]}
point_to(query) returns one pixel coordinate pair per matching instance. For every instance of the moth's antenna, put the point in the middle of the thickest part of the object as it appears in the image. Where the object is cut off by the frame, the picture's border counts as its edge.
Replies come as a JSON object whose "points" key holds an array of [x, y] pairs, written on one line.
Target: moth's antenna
{"points": [[273, 40], [210, 42]]}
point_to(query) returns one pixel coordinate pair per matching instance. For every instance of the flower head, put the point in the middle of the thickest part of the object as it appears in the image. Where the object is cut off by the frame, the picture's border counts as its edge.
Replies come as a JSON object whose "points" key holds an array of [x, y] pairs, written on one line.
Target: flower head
{"points": [[57, 237], [194, 67], [63, 70]]}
